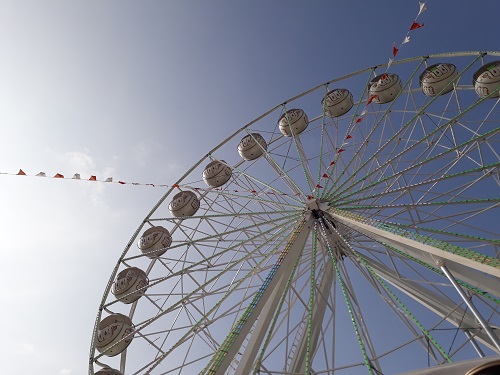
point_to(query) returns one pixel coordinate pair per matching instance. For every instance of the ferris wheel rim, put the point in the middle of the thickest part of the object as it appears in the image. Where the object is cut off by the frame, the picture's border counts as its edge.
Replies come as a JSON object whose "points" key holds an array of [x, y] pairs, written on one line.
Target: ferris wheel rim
{"points": [[241, 130]]}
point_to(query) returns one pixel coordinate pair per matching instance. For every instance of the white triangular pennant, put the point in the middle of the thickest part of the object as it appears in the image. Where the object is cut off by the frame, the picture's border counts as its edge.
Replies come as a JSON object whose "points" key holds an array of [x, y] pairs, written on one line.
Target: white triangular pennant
{"points": [[41, 174], [76, 176], [407, 40], [422, 8]]}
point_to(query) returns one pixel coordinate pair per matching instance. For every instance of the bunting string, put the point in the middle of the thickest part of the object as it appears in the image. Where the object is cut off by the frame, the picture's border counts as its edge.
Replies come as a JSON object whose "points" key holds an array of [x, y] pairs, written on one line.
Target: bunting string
{"points": [[415, 25], [77, 176], [110, 180], [395, 49]]}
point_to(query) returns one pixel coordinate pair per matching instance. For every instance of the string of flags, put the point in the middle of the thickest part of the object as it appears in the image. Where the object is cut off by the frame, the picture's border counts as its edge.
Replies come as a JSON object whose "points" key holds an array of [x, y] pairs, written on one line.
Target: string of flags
{"points": [[414, 26], [77, 176], [359, 118]]}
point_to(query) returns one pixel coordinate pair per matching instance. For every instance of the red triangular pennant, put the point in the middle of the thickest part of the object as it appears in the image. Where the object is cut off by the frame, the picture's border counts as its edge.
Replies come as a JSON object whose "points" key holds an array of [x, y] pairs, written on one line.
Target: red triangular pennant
{"points": [[359, 120], [175, 186], [348, 136], [21, 173], [332, 163], [394, 50], [340, 150], [416, 25], [121, 182], [93, 178], [371, 98], [318, 186], [58, 175], [325, 176]]}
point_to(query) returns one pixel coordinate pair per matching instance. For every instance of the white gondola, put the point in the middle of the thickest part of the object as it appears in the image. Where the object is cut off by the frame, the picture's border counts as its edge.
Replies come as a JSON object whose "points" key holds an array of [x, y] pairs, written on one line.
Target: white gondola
{"points": [[293, 122], [216, 173], [487, 79], [478, 366], [155, 241], [252, 146], [385, 87], [438, 79], [130, 284], [115, 333], [337, 102], [184, 204], [108, 371]]}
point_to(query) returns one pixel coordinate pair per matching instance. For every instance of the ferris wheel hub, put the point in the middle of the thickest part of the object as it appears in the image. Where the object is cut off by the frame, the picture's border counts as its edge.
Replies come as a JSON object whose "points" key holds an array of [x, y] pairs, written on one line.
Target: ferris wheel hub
{"points": [[316, 204]]}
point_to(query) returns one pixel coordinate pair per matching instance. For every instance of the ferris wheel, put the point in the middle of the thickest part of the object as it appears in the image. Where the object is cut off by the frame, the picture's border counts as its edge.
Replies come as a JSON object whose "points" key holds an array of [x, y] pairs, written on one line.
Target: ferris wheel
{"points": [[352, 229]]}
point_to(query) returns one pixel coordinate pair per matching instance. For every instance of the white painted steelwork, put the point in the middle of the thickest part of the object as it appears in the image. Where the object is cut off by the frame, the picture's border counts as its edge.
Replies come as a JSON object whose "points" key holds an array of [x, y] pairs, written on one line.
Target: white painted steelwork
{"points": [[388, 193]]}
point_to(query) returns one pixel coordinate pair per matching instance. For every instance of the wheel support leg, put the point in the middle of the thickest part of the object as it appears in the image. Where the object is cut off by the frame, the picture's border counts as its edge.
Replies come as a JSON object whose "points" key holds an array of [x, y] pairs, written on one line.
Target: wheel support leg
{"points": [[273, 286], [299, 361], [484, 324], [474, 344]]}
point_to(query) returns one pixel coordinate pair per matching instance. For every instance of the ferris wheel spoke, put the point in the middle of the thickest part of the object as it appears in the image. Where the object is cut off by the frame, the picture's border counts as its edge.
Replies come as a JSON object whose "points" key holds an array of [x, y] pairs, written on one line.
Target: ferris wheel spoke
{"points": [[309, 343], [221, 202], [231, 344], [256, 190], [279, 171], [383, 275], [403, 129], [202, 322], [384, 179], [332, 167], [391, 301], [370, 135], [367, 361], [423, 204], [295, 139], [224, 268], [304, 161], [430, 180], [489, 134], [252, 228], [322, 140], [334, 247], [236, 203], [309, 333]]}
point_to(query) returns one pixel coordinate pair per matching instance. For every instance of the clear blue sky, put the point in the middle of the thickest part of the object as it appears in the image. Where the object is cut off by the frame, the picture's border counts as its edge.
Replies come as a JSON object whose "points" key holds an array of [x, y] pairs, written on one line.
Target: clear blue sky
{"points": [[139, 91]]}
